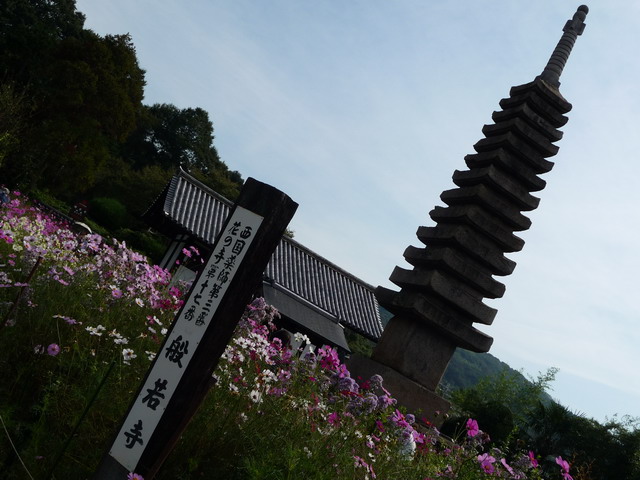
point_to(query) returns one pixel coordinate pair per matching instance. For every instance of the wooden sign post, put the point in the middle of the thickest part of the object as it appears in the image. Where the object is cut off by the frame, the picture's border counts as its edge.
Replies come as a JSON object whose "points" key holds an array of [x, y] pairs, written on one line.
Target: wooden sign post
{"points": [[180, 375]]}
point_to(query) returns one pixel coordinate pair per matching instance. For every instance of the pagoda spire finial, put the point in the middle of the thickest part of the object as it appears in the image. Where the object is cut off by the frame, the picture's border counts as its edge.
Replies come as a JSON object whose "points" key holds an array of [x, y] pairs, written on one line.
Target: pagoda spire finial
{"points": [[573, 28]]}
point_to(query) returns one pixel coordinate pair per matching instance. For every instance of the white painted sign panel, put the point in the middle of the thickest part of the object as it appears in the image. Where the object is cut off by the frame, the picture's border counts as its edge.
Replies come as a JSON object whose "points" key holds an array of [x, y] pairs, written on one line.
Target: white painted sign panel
{"points": [[188, 330]]}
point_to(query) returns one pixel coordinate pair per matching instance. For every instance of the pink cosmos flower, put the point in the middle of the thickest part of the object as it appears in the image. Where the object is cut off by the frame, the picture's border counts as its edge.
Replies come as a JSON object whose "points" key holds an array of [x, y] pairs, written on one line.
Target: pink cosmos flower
{"points": [[507, 466], [343, 372], [532, 459], [486, 462], [333, 418], [398, 418], [134, 476], [472, 427], [328, 358], [116, 293], [69, 320], [359, 462], [564, 465], [53, 349]]}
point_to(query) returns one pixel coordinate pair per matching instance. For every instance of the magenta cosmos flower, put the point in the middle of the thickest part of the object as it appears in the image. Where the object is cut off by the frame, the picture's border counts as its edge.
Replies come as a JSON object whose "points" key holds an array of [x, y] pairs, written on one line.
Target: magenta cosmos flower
{"points": [[53, 349], [472, 427], [333, 418], [564, 465]]}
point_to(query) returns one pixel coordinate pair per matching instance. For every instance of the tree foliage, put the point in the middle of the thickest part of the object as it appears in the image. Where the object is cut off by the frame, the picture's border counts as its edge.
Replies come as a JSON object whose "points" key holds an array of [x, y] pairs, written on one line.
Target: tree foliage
{"points": [[170, 137], [516, 412], [603, 451], [84, 91], [73, 119], [501, 402], [13, 114]]}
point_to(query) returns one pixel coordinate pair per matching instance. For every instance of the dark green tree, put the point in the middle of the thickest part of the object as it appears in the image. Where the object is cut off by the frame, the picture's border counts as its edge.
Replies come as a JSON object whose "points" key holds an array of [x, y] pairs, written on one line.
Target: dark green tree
{"points": [[516, 412], [84, 92], [31, 30], [601, 451], [171, 137], [13, 115], [501, 403]]}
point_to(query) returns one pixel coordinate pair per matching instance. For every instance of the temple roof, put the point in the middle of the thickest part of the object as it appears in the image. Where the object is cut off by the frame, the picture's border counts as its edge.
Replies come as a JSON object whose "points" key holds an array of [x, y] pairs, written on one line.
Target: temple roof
{"points": [[188, 206]]}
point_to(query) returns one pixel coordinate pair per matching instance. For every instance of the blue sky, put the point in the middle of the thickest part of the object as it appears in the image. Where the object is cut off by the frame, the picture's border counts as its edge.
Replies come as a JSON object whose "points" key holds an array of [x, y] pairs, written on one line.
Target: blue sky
{"points": [[362, 110]]}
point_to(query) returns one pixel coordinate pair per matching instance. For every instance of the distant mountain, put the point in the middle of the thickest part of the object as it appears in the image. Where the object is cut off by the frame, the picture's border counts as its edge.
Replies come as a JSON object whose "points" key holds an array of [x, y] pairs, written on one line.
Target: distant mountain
{"points": [[466, 368]]}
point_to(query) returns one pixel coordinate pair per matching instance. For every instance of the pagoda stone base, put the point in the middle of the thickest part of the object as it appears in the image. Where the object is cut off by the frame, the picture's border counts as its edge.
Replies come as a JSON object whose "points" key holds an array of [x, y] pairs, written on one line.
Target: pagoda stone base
{"points": [[415, 350], [417, 399]]}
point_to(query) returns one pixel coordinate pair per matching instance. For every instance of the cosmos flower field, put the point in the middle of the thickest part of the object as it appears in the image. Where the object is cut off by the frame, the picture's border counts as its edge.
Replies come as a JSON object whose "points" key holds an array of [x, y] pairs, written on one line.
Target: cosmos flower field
{"points": [[82, 319]]}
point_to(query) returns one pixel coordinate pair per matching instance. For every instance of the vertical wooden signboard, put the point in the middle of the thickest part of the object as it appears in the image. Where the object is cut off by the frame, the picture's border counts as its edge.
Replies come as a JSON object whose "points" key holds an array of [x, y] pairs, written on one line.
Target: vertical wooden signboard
{"points": [[179, 377]]}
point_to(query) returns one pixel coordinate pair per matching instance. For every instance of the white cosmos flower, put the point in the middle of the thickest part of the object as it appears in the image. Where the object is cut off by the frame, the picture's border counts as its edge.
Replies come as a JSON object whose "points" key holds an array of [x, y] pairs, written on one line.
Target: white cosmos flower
{"points": [[95, 330], [255, 396], [268, 376], [128, 355], [299, 337]]}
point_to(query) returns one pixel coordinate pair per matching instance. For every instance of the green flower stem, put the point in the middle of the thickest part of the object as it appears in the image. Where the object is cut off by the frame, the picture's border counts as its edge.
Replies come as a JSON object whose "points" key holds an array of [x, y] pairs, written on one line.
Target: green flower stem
{"points": [[14, 305], [79, 422]]}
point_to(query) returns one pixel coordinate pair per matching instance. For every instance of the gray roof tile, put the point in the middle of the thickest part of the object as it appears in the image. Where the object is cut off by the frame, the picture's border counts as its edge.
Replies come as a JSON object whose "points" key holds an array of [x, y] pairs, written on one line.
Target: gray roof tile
{"points": [[196, 208]]}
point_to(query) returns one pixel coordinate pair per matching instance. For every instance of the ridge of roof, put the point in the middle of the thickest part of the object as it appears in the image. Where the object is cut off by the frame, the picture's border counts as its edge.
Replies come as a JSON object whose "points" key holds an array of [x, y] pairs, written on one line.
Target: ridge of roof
{"points": [[192, 206], [191, 179]]}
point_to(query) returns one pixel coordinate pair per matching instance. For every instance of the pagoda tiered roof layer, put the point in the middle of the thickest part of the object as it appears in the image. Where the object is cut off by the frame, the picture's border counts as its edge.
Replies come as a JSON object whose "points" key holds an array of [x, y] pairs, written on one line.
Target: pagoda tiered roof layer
{"points": [[462, 253]]}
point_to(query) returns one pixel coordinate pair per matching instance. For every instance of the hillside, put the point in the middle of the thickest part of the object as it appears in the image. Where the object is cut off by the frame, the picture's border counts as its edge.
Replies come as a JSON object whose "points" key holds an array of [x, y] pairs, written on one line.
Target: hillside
{"points": [[467, 368]]}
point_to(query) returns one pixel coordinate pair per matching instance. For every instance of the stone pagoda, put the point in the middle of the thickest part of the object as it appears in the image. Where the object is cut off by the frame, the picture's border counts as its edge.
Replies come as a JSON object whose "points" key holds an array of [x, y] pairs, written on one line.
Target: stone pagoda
{"points": [[440, 299]]}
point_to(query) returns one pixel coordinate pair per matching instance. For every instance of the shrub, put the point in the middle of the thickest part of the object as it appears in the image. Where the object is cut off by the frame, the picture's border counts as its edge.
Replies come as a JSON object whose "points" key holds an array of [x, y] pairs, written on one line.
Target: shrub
{"points": [[109, 212], [151, 245]]}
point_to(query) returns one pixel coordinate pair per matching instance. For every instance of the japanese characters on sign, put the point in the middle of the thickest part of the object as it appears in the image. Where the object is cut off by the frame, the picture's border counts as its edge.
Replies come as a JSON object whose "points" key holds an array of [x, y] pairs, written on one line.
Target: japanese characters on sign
{"points": [[188, 330]]}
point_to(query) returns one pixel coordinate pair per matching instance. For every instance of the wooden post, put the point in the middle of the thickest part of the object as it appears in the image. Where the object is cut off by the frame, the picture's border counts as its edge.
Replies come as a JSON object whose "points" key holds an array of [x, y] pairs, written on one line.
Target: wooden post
{"points": [[180, 375]]}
